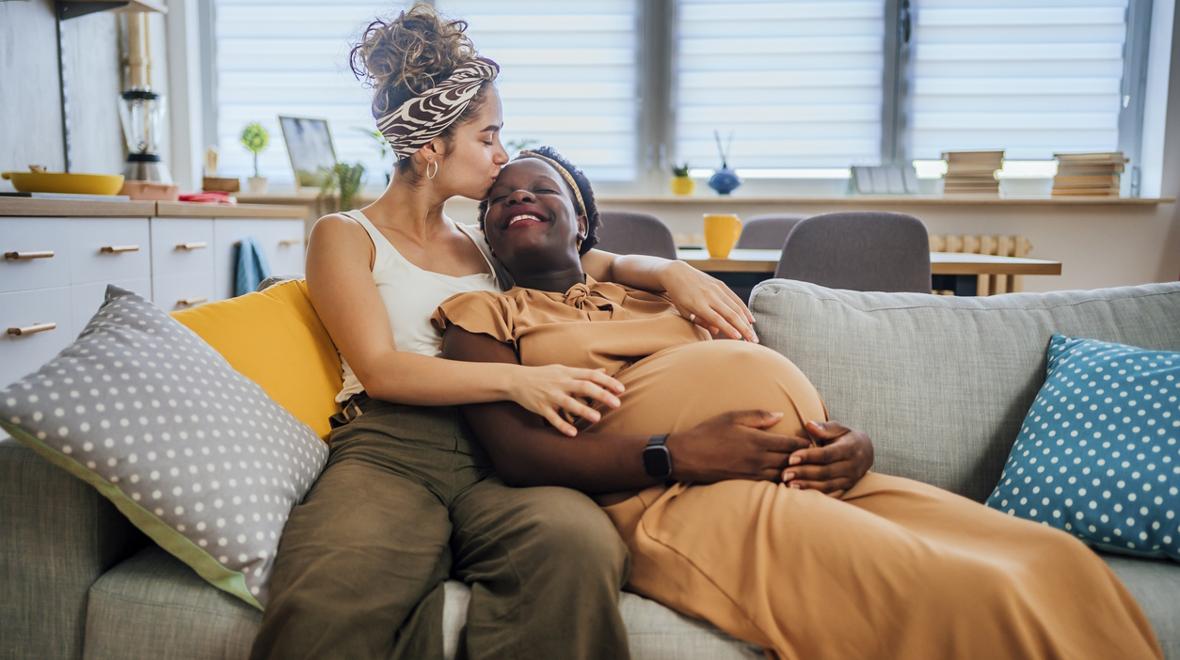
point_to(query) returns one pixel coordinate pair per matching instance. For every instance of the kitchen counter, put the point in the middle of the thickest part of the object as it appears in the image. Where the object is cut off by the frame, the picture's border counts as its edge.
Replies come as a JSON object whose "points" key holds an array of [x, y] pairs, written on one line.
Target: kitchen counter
{"points": [[29, 207]]}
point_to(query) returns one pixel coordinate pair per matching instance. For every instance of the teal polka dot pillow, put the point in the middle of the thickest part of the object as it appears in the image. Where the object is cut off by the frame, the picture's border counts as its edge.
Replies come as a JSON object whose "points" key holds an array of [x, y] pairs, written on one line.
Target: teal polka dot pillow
{"points": [[1098, 454]]}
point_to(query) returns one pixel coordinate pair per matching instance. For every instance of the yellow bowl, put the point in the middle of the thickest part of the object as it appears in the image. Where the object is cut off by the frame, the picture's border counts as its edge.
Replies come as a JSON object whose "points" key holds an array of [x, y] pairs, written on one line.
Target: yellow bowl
{"points": [[60, 182]]}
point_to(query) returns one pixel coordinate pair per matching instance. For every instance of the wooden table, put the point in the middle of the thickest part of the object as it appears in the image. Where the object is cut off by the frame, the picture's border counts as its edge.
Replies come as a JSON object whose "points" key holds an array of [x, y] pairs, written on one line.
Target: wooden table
{"points": [[969, 272]]}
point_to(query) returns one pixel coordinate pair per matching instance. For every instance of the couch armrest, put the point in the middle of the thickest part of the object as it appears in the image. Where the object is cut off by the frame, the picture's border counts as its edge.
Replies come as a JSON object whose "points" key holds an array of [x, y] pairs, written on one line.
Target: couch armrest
{"points": [[57, 536]]}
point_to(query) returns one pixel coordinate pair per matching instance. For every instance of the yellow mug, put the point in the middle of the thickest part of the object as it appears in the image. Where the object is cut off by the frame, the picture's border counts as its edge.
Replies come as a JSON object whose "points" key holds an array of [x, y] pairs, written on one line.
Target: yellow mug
{"points": [[721, 233]]}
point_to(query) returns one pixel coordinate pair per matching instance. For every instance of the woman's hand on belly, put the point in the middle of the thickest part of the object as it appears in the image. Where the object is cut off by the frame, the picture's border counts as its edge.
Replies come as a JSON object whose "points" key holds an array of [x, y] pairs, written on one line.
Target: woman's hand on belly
{"points": [[732, 445], [840, 458]]}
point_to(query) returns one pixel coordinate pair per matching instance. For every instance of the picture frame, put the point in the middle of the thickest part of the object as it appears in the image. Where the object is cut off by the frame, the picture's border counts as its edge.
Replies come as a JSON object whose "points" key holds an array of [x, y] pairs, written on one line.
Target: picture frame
{"points": [[309, 148]]}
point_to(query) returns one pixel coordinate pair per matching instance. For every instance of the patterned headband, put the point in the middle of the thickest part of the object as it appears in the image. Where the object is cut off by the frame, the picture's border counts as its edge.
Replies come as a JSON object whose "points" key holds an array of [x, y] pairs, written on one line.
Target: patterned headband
{"points": [[425, 116], [569, 178]]}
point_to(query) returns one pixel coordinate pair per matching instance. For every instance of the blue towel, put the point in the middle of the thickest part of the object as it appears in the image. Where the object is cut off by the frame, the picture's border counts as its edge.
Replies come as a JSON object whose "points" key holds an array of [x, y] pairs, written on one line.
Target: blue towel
{"points": [[250, 267]]}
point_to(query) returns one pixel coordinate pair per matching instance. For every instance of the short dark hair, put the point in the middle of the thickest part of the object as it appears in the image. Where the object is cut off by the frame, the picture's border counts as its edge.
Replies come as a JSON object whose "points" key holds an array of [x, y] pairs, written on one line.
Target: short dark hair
{"points": [[584, 189]]}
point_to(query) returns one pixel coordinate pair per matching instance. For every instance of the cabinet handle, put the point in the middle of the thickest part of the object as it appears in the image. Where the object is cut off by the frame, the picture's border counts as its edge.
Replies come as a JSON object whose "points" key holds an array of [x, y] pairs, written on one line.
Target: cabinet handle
{"points": [[26, 256], [288, 242], [197, 245], [32, 329], [118, 249], [189, 302]]}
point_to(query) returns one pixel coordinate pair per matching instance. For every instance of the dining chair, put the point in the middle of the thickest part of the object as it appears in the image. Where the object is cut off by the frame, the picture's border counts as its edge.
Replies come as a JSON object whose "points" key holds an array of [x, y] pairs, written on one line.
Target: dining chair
{"points": [[859, 250], [767, 232], [630, 232]]}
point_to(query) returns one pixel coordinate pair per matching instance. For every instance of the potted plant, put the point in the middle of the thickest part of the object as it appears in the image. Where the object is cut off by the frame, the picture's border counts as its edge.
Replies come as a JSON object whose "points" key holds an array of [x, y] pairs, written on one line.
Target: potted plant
{"points": [[681, 184], [339, 186], [255, 139]]}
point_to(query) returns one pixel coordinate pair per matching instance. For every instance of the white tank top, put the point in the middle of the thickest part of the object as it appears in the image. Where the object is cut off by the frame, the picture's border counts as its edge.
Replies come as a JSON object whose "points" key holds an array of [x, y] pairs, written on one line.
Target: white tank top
{"points": [[411, 295]]}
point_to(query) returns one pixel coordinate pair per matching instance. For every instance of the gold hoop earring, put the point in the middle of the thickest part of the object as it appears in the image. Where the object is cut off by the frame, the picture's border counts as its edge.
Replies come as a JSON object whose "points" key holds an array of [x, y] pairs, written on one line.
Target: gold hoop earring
{"points": [[431, 174]]}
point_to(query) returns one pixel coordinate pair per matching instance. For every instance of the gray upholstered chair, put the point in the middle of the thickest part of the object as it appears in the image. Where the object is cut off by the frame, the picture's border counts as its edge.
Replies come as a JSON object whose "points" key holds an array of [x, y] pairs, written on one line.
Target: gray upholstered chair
{"points": [[859, 250], [628, 232], [767, 232]]}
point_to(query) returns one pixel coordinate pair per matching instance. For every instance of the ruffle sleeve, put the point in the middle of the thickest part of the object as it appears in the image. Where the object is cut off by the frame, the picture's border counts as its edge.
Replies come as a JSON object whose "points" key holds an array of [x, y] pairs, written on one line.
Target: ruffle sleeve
{"points": [[478, 312]]}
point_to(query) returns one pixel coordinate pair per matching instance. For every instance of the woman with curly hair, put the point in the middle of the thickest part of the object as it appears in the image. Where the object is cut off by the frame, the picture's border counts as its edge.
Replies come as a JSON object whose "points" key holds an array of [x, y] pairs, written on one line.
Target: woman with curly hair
{"points": [[407, 500]]}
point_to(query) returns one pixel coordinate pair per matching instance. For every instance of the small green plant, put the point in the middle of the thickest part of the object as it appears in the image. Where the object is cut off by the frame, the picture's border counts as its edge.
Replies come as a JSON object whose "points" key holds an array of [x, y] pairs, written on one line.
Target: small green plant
{"points": [[255, 139], [342, 182], [680, 170]]}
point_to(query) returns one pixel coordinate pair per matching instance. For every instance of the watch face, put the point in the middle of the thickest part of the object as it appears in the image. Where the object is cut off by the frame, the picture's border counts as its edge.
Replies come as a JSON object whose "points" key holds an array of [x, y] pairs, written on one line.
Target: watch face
{"points": [[657, 462]]}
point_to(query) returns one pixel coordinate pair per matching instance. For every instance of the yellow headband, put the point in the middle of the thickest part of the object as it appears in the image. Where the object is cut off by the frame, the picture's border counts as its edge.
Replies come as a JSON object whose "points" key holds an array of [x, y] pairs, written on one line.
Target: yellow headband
{"points": [[569, 178]]}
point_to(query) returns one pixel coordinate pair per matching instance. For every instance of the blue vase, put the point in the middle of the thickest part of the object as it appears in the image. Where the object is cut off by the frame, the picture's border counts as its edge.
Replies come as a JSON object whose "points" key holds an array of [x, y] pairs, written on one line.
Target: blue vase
{"points": [[724, 181]]}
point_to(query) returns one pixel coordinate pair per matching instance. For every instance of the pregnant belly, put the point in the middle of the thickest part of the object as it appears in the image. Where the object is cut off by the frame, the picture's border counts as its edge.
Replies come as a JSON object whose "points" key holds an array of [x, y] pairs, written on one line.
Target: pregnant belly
{"points": [[683, 386]]}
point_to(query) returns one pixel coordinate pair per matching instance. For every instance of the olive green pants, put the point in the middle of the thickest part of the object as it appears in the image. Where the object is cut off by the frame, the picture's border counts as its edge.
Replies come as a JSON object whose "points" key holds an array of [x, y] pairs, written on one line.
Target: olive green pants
{"points": [[408, 501]]}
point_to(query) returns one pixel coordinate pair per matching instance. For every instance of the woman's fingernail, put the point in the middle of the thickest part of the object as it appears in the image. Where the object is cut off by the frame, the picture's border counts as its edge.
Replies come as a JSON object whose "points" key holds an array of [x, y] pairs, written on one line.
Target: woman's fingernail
{"points": [[788, 476], [795, 460], [776, 414], [795, 486]]}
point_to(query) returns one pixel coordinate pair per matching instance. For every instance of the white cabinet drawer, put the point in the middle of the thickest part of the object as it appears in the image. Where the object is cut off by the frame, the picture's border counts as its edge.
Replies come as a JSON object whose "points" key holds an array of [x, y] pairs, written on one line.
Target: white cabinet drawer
{"points": [[109, 250], [285, 247], [281, 242], [172, 293], [85, 299], [34, 253], [181, 246], [27, 312]]}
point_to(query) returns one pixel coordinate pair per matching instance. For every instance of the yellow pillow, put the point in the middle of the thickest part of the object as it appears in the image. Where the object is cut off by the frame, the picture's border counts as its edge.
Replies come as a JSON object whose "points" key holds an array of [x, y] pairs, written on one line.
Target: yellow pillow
{"points": [[275, 339]]}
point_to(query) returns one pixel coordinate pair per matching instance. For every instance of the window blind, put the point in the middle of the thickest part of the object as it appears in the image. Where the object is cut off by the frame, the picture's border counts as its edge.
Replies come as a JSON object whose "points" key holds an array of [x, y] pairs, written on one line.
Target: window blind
{"points": [[1032, 77], [290, 57], [798, 83], [568, 76]]}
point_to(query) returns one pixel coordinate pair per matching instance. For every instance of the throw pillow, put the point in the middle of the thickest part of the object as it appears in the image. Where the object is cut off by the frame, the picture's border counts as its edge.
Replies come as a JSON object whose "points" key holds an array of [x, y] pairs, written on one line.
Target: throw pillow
{"points": [[1098, 454], [274, 338], [192, 452]]}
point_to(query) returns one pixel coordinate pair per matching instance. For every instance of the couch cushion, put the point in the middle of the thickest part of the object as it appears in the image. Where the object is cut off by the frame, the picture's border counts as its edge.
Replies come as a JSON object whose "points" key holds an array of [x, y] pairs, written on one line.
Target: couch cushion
{"points": [[274, 338], [1155, 584], [1098, 455], [942, 384], [152, 606], [197, 456]]}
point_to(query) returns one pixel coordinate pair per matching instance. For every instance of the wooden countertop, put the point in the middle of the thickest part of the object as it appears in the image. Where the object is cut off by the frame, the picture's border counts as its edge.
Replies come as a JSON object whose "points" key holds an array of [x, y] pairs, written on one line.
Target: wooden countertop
{"points": [[28, 207]]}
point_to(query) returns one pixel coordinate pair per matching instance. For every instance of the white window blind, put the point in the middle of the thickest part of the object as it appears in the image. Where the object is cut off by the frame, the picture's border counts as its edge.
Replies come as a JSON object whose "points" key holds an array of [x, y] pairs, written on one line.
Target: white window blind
{"points": [[290, 57], [568, 76], [798, 83], [1032, 77]]}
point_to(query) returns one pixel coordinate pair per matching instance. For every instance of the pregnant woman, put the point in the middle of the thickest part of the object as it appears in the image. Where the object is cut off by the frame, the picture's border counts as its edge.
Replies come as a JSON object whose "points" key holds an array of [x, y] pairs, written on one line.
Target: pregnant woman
{"points": [[878, 567]]}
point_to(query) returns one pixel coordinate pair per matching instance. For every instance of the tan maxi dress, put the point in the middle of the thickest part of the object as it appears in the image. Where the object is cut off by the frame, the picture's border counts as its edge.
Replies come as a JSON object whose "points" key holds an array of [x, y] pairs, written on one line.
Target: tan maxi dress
{"points": [[893, 569]]}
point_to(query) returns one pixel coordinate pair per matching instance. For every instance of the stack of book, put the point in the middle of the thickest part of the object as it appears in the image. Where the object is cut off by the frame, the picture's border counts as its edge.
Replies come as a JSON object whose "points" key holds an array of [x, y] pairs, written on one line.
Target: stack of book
{"points": [[1093, 174], [972, 172]]}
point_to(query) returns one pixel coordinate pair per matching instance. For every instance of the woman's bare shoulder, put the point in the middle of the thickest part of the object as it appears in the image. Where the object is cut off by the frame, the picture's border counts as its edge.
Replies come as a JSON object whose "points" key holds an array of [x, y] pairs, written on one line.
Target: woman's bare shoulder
{"points": [[338, 233]]}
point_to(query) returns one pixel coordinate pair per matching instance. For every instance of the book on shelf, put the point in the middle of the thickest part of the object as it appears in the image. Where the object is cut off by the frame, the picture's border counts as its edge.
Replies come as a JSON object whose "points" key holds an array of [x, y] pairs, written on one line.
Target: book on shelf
{"points": [[1094, 174]]}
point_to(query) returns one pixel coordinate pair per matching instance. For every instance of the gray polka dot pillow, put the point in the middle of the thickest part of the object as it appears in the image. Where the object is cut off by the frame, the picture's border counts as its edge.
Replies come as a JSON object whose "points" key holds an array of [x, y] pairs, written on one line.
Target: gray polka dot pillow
{"points": [[192, 452], [1098, 455]]}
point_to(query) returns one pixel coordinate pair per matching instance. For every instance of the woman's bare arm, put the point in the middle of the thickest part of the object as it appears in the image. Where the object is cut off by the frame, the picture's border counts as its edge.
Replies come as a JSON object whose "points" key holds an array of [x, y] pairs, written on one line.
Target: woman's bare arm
{"points": [[699, 296]]}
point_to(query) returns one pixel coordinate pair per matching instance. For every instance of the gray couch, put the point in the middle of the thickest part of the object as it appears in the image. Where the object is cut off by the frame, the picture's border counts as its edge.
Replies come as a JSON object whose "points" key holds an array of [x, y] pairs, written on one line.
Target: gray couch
{"points": [[941, 384]]}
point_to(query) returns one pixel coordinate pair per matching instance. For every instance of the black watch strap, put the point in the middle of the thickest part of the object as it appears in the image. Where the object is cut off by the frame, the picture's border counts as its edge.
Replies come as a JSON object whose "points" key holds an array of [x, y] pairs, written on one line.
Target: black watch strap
{"points": [[657, 460]]}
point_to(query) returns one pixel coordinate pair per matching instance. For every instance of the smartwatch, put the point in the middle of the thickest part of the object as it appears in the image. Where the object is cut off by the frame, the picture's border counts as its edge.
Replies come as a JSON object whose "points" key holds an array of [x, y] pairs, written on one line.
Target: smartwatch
{"points": [[657, 460]]}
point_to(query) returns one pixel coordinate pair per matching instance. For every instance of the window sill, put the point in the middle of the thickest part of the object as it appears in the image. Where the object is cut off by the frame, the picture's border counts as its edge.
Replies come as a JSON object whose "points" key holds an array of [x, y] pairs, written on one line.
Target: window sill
{"points": [[884, 200]]}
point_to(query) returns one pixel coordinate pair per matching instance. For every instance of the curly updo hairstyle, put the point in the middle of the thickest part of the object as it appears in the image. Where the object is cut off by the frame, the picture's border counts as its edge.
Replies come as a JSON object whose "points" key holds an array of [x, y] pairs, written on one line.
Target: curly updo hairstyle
{"points": [[584, 188], [405, 56]]}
